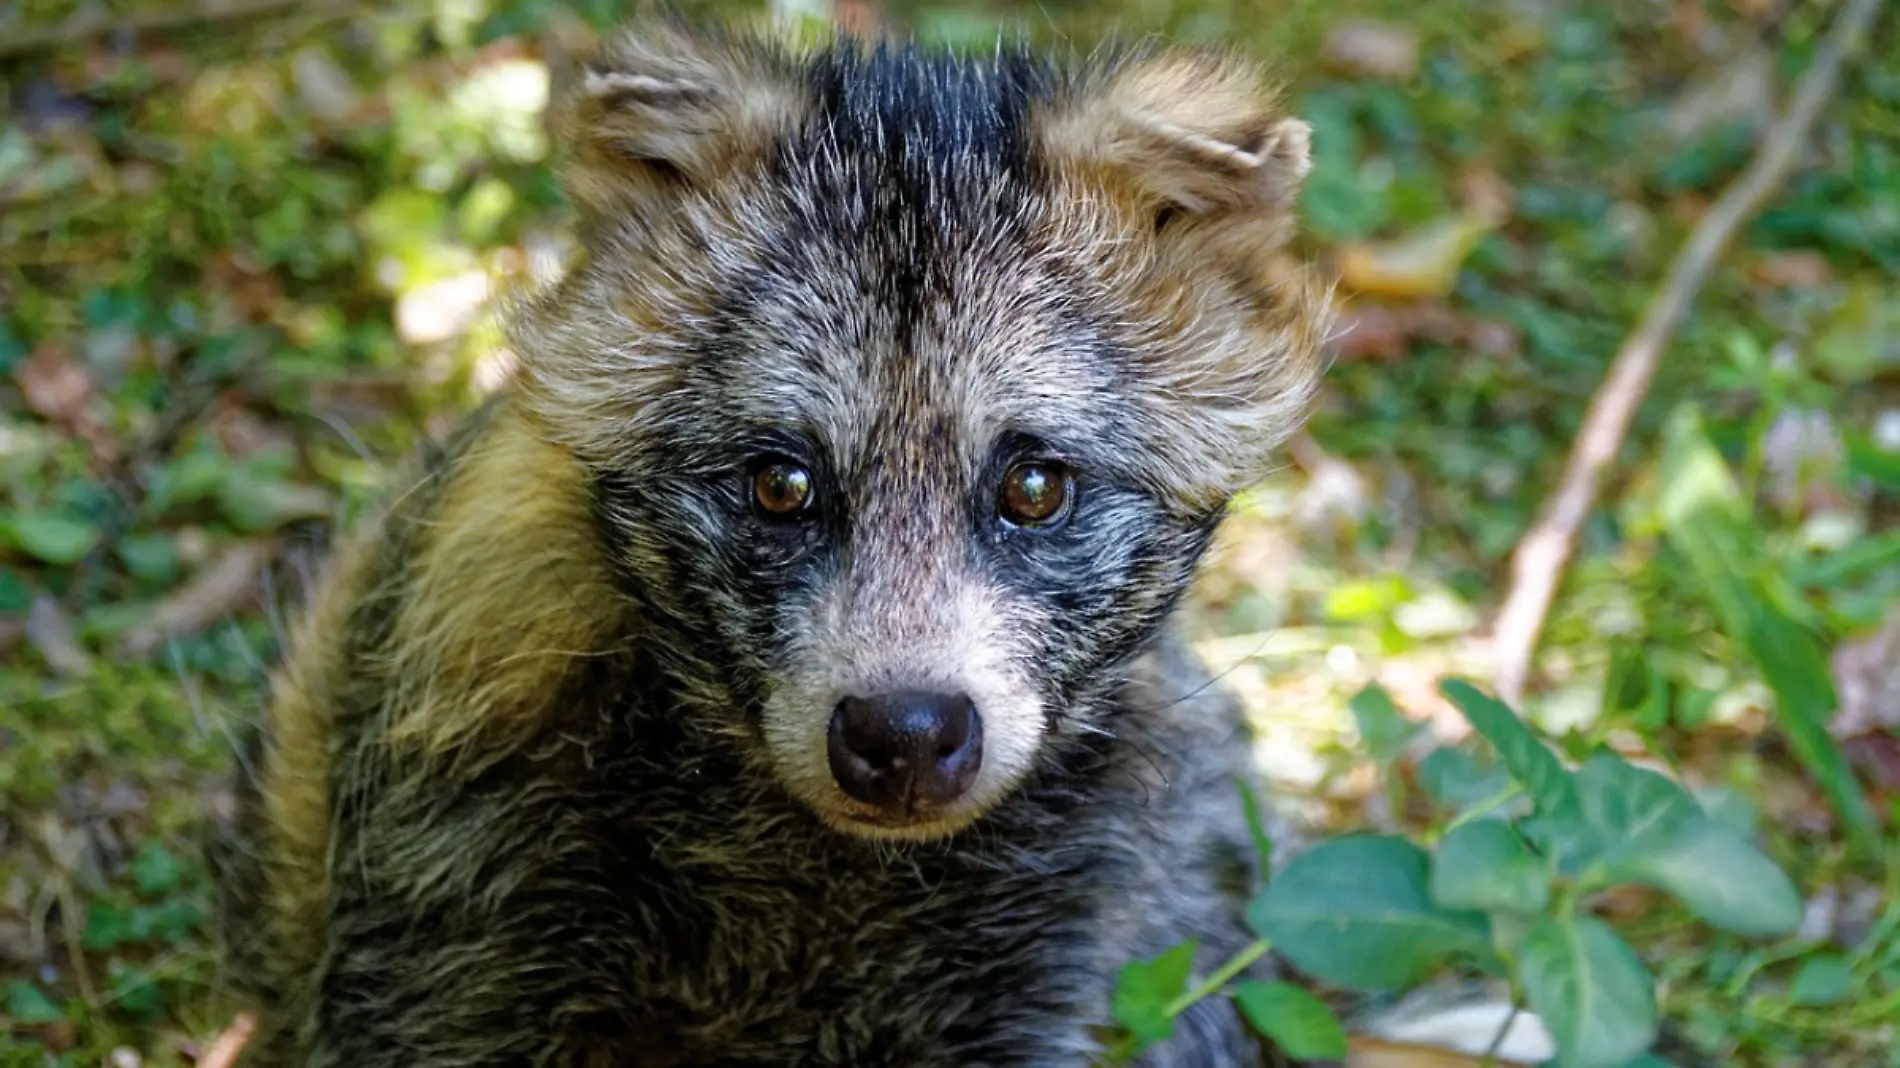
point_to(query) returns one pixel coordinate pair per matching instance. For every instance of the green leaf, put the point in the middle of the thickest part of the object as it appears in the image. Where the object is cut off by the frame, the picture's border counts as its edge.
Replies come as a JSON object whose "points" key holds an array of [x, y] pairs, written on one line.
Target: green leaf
{"points": [[1256, 828], [1455, 779], [155, 870], [107, 926], [1720, 876], [152, 557], [27, 1005], [1590, 990], [1705, 519], [1356, 912], [1528, 760], [1299, 1023], [1382, 727], [257, 504], [1635, 689], [1627, 809], [1484, 865], [15, 594], [1822, 980], [55, 539], [134, 990], [1145, 989], [1729, 808], [1866, 459]]}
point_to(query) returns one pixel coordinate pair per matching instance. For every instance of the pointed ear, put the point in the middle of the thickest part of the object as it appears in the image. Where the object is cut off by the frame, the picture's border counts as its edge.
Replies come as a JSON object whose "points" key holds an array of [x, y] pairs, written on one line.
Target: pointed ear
{"points": [[656, 110], [1182, 131]]}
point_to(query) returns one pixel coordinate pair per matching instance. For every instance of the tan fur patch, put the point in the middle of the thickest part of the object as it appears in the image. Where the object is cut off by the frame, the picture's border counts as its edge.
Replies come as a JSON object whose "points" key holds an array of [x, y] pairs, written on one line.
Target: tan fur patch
{"points": [[507, 589], [644, 108], [294, 771]]}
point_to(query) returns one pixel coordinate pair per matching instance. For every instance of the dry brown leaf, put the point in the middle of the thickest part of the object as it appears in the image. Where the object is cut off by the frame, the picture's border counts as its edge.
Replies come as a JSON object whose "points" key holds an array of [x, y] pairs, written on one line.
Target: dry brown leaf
{"points": [[1424, 263], [211, 595], [1371, 330], [1793, 269], [1374, 48], [54, 385], [51, 632], [1867, 679]]}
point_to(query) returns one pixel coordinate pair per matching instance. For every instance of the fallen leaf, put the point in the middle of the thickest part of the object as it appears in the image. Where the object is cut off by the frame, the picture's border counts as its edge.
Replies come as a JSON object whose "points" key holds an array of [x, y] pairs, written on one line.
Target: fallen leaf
{"points": [[211, 595], [323, 86], [1374, 330], [1374, 49], [1867, 681], [51, 633], [1741, 90], [54, 385], [1484, 194], [1424, 263], [1877, 757], [1793, 269]]}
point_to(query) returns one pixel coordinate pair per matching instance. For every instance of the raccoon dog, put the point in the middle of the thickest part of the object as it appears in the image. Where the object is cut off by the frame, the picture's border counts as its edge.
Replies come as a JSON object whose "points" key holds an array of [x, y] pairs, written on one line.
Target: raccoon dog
{"points": [[779, 669]]}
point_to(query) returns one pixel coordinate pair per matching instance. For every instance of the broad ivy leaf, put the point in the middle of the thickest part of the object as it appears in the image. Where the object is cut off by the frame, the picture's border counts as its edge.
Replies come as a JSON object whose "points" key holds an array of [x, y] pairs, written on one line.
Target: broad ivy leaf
{"points": [[1145, 989], [27, 1005], [1456, 779], [1822, 980], [1591, 991], [1729, 808], [1528, 760], [1628, 811], [1299, 1023], [1719, 875], [1382, 727], [1356, 912], [56, 539], [1484, 865]]}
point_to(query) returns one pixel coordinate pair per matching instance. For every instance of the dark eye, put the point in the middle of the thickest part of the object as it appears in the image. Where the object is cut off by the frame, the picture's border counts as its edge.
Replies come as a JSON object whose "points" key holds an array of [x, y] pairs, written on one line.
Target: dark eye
{"points": [[1036, 493], [781, 489]]}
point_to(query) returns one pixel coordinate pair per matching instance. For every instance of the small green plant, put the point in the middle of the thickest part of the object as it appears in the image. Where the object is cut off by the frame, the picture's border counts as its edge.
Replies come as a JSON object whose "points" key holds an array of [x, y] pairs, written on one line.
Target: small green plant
{"points": [[1505, 888]]}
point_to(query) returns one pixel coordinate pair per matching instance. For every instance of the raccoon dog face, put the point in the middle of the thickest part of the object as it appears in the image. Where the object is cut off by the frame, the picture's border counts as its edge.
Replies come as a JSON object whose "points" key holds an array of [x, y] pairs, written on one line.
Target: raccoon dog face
{"points": [[914, 386]]}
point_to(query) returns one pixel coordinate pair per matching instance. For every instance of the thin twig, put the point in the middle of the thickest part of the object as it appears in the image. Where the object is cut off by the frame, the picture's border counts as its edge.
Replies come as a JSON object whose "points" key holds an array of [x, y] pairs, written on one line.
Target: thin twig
{"points": [[1538, 564], [1497, 1041], [82, 28]]}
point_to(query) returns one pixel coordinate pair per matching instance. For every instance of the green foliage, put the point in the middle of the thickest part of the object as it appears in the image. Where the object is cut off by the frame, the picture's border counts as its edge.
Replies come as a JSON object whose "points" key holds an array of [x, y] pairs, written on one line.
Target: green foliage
{"points": [[1590, 990], [1299, 1023], [1503, 891], [1356, 912], [1705, 519], [1145, 990], [1823, 980], [1485, 866]]}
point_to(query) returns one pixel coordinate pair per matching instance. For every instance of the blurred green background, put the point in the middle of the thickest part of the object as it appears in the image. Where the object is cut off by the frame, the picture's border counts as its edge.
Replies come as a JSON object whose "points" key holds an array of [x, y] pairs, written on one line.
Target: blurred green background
{"points": [[245, 250]]}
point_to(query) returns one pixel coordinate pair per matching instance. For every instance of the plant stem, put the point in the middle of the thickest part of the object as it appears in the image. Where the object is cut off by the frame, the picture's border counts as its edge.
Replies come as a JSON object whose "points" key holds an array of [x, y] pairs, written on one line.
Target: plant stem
{"points": [[1221, 976], [1490, 1058]]}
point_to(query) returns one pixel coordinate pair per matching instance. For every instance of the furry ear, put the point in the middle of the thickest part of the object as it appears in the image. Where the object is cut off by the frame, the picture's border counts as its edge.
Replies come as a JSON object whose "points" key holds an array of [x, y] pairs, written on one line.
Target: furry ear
{"points": [[653, 111], [1183, 131]]}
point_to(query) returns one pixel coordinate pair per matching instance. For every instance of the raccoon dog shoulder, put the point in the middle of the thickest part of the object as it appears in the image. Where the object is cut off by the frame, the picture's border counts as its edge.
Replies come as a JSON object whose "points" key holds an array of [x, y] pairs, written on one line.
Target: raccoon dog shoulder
{"points": [[778, 670]]}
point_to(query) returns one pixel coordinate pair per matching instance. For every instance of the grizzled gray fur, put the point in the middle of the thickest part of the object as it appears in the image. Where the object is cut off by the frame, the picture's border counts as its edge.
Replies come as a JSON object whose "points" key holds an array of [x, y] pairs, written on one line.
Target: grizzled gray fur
{"points": [[780, 670]]}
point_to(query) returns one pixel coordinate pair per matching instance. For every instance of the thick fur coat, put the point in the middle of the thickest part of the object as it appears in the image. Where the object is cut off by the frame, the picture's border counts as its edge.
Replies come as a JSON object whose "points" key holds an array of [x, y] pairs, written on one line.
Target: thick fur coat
{"points": [[544, 778]]}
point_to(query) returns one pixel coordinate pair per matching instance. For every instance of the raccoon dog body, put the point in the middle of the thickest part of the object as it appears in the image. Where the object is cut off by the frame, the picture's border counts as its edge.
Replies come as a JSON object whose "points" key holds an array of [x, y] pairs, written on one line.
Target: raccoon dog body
{"points": [[778, 671]]}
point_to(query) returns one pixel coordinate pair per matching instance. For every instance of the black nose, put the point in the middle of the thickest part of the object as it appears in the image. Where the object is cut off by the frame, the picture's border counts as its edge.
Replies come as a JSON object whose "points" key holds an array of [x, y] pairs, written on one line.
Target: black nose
{"points": [[904, 749]]}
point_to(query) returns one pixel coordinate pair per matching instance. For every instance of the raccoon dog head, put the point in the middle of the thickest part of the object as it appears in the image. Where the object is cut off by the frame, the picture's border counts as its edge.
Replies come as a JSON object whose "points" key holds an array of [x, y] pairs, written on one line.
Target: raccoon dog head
{"points": [[913, 386]]}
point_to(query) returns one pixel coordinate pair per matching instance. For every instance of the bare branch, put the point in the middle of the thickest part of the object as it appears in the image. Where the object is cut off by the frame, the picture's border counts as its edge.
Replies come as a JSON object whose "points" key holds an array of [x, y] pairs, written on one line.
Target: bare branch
{"points": [[1537, 566]]}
